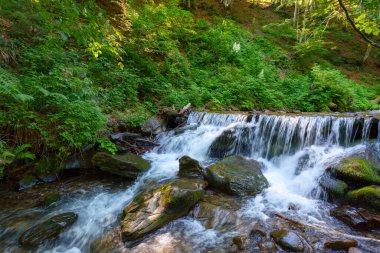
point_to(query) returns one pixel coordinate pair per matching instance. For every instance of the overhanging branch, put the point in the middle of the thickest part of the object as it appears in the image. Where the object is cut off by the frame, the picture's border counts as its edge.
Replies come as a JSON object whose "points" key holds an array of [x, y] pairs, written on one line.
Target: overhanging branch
{"points": [[373, 43]]}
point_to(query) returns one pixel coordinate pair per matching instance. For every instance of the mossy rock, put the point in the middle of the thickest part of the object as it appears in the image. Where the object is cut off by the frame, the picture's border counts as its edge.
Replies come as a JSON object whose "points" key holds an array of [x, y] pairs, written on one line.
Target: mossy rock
{"points": [[151, 210], [50, 198], [189, 167], [48, 229], [343, 245], [237, 175], [28, 181], [369, 196], [128, 165], [334, 187], [358, 170]]}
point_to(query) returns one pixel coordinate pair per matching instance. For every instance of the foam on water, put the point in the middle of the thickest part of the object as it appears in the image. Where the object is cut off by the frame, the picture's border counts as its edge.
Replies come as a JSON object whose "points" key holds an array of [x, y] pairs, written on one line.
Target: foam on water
{"points": [[295, 150]]}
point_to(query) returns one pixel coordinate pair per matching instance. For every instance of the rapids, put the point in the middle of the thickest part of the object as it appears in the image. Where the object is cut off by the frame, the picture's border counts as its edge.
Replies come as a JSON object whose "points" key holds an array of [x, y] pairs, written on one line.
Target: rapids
{"points": [[296, 150]]}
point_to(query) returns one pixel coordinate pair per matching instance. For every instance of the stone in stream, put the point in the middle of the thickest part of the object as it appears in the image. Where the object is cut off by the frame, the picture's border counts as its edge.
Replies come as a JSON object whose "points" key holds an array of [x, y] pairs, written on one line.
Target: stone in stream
{"points": [[334, 187], [237, 175], [358, 170], [288, 240], [358, 218], [151, 210], [48, 229], [222, 144], [217, 211], [189, 167], [354, 250], [27, 181], [340, 244], [368, 196], [128, 165], [153, 125]]}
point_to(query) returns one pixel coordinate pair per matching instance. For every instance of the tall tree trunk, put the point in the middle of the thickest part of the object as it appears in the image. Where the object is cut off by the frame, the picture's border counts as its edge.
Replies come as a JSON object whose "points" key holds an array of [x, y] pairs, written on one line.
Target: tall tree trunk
{"points": [[367, 53]]}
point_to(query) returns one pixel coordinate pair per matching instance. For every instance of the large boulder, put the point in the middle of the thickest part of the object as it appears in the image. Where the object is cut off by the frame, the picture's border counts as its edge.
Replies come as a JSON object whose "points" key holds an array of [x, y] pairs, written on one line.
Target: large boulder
{"points": [[48, 229], [151, 210], [358, 170], [237, 175], [368, 196], [358, 218], [189, 167], [288, 240], [128, 165]]}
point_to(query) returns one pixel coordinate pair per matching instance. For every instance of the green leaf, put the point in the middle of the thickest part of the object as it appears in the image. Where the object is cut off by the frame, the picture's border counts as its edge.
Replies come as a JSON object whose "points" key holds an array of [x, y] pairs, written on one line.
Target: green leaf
{"points": [[360, 18]]}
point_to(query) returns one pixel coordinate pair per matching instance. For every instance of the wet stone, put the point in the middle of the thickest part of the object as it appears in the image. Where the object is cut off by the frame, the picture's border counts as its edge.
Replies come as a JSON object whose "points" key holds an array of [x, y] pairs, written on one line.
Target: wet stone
{"points": [[288, 240], [189, 167], [340, 244], [48, 229]]}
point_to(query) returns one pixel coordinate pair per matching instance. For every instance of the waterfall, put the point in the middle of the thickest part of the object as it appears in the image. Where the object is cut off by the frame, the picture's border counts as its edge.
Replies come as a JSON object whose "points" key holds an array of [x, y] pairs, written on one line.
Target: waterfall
{"points": [[295, 150]]}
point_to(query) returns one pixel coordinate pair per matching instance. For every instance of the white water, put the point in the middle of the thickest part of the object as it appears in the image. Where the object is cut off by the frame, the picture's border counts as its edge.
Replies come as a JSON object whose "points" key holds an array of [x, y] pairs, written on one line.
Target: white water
{"points": [[280, 142]]}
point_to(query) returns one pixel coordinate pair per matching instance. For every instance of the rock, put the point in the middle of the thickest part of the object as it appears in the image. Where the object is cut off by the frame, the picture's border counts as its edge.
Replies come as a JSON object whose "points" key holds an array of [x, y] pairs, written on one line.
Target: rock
{"points": [[80, 160], [174, 120], [222, 144], [108, 242], [237, 175], [240, 242], [189, 167], [27, 181], [153, 125], [334, 187], [288, 240], [50, 197], [128, 165], [48, 229], [151, 210], [183, 129], [217, 212], [302, 163], [340, 244], [368, 196], [372, 152], [358, 218], [358, 170], [354, 250]]}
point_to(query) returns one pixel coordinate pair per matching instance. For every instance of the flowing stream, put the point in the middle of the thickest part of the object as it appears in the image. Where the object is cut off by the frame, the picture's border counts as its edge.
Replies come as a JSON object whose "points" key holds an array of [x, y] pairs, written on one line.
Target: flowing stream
{"points": [[296, 150]]}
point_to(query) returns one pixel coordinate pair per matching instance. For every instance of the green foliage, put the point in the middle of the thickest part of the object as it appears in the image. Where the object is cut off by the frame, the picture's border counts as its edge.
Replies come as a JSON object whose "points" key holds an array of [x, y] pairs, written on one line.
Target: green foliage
{"points": [[106, 144], [9, 155], [66, 71]]}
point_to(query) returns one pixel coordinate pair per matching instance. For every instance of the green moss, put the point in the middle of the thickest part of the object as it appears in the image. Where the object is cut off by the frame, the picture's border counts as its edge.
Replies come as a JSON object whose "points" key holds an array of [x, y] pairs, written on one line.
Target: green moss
{"points": [[358, 169], [369, 196], [51, 197]]}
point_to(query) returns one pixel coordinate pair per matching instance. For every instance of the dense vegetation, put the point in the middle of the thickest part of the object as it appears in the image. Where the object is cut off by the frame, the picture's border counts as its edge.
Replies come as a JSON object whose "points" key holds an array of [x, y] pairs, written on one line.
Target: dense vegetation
{"points": [[68, 67]]}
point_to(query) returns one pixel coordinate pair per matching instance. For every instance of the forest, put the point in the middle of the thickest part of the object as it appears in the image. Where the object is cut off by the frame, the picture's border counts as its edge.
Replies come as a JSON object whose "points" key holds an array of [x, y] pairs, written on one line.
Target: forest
{"points": [[76, 73]]}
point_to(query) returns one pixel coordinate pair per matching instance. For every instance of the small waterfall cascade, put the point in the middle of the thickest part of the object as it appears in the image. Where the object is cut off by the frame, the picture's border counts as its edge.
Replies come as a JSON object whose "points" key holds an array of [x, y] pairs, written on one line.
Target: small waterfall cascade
{"points": [[268, 136], [295, 149]]}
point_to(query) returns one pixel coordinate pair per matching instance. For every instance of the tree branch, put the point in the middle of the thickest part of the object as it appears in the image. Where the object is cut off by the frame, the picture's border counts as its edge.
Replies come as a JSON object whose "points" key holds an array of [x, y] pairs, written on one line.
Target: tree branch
{"points": [[373, 43]]}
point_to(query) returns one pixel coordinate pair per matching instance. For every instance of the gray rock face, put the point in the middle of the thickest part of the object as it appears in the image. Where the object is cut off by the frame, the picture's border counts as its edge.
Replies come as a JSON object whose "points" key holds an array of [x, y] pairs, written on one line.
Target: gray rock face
{"points": [[151, 210], [128, 165], [48, 229], [288, 240], [189, 167], [153, 125], [237, 175]]}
